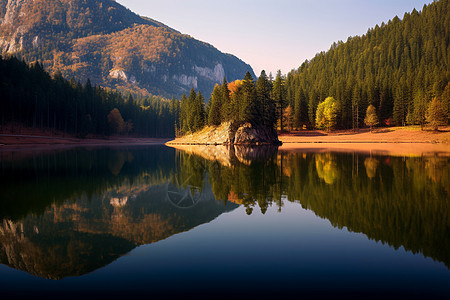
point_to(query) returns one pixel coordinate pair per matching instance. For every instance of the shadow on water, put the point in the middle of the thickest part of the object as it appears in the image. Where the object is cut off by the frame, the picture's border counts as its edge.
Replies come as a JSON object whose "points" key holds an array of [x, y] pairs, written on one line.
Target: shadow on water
{"points": [[71, 212]]}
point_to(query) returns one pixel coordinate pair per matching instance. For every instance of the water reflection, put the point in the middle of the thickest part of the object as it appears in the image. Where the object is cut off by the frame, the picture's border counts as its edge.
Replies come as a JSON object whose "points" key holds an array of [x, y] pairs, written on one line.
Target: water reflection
{"points": [[61, 218], [402, 201], [71, 212]]}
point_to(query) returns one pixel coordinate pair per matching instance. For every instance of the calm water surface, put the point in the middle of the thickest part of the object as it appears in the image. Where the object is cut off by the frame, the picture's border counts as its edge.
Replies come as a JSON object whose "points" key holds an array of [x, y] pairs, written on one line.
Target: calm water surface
{"points": [[161, 222]]}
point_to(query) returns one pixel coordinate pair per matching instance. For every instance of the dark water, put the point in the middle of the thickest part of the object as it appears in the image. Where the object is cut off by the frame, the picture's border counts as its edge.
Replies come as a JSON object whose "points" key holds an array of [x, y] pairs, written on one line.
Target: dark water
{"points": [[159, 222]]}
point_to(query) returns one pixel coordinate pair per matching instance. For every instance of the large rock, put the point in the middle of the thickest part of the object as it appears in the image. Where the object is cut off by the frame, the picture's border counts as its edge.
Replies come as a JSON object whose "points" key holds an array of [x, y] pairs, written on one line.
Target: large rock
{"points": [[230, 134], [249, 134]]}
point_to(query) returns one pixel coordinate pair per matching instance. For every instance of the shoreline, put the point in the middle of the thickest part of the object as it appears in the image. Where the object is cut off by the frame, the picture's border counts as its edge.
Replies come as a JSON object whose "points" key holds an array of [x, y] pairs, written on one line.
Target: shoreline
{"points": [[392, 149], [392, 141], [10, 142], [397, 141]]}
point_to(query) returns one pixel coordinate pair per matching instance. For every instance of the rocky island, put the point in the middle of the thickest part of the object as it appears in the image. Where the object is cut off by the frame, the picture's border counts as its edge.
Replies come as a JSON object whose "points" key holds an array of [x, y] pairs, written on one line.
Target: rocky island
{"points": [[230, 134]]}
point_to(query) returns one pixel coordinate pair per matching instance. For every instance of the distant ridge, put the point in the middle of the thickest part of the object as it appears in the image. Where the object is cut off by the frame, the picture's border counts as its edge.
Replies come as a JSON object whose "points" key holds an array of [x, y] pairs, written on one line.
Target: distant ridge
{"points": [[114, 47]]}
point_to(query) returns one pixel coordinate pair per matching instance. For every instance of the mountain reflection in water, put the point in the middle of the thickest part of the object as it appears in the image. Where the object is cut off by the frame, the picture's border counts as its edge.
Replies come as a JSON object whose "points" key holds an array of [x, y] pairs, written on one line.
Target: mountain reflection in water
{"points": [[69, 213]]}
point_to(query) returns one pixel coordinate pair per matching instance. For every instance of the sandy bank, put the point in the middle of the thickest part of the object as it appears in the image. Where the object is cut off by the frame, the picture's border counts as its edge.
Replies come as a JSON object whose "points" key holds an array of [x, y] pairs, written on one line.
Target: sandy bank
{"points": [[402, 141], [411, 134]]}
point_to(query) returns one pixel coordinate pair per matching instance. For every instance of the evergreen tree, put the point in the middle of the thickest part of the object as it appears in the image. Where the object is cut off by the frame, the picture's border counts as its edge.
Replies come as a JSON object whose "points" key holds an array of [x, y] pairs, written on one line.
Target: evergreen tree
{"points": [[199, 112], [191, 111], [264, 99], [215, 112], [420, 106], [184, 114], [226, 101], [249, 109], [279, 96]]}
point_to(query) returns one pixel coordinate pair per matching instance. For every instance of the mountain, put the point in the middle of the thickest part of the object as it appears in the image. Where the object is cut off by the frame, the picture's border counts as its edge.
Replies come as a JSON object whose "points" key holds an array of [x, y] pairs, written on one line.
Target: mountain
{"points": [[398, 67], [114, 47]]}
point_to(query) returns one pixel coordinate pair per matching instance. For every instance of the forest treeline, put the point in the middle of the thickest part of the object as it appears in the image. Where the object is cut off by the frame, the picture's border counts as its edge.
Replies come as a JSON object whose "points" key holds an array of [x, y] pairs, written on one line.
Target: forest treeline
{"points": [[29, 96], [398, 67], [396, 74], [238, 102]]}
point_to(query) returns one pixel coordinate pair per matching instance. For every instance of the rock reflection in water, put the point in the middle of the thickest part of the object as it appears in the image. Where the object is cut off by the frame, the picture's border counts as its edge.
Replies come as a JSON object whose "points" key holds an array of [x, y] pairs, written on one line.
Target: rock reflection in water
{"points": [[102, 214], [69, 213]]}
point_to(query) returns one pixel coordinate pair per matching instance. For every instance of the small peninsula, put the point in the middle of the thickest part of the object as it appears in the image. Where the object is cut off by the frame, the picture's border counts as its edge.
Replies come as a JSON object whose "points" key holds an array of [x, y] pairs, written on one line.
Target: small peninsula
{"points": [[230, 134]]}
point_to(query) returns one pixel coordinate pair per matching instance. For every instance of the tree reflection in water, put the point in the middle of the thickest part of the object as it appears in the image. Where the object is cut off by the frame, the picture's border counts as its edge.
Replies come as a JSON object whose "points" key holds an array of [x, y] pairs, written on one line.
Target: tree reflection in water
{"points": [[66, 213], [403, 201]]}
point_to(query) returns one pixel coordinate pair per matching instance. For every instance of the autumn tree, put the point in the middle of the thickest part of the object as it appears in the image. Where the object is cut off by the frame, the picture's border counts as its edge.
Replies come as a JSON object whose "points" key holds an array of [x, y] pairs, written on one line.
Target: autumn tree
{"points": [[436, 114], [116, 121], [288, 116], [371, 118], [326, 114]]}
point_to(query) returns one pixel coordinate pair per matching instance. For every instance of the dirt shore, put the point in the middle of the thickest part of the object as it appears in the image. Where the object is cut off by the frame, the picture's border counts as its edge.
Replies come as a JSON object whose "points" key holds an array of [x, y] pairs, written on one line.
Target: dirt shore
{"points": [[391, 141], [10, 142], [410, 134]]}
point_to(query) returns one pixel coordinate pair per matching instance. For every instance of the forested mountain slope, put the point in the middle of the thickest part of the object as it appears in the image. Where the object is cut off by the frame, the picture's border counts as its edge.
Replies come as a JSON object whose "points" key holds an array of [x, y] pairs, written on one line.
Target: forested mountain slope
{"points": [[398, 67], [114, 47]]}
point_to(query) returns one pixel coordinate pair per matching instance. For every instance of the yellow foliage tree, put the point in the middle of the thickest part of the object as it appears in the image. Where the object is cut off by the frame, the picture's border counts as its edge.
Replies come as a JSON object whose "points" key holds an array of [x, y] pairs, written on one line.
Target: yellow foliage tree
{"points": [[326, 114], [371, 118]]}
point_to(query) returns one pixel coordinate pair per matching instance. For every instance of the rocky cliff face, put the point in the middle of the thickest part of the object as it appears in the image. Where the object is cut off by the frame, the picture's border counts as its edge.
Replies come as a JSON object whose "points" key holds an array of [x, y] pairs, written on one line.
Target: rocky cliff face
{"points": [[104, 41], [230, 134]]}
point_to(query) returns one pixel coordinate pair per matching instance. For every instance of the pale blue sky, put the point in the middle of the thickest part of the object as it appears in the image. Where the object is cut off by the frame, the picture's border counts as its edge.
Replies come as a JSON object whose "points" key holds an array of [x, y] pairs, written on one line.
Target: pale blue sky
{"points": [[277, 34]]}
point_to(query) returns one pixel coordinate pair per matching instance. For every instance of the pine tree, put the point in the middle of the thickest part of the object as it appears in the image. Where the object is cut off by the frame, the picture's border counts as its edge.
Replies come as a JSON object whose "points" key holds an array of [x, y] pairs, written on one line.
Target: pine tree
{"points": [[249, 109], [226, 101], [191, 111], [264, 99], [215, 111], [420, 105], [184, 114], [199, 112], [279, 96]]}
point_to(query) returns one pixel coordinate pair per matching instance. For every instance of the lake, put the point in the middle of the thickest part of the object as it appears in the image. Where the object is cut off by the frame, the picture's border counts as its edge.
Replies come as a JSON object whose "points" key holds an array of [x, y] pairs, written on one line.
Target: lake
{"points": [[156, 221]]}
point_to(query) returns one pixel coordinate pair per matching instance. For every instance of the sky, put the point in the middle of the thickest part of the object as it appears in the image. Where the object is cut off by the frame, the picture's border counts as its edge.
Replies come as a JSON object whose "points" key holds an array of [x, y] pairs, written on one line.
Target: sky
{"points": [[273, 34]]}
